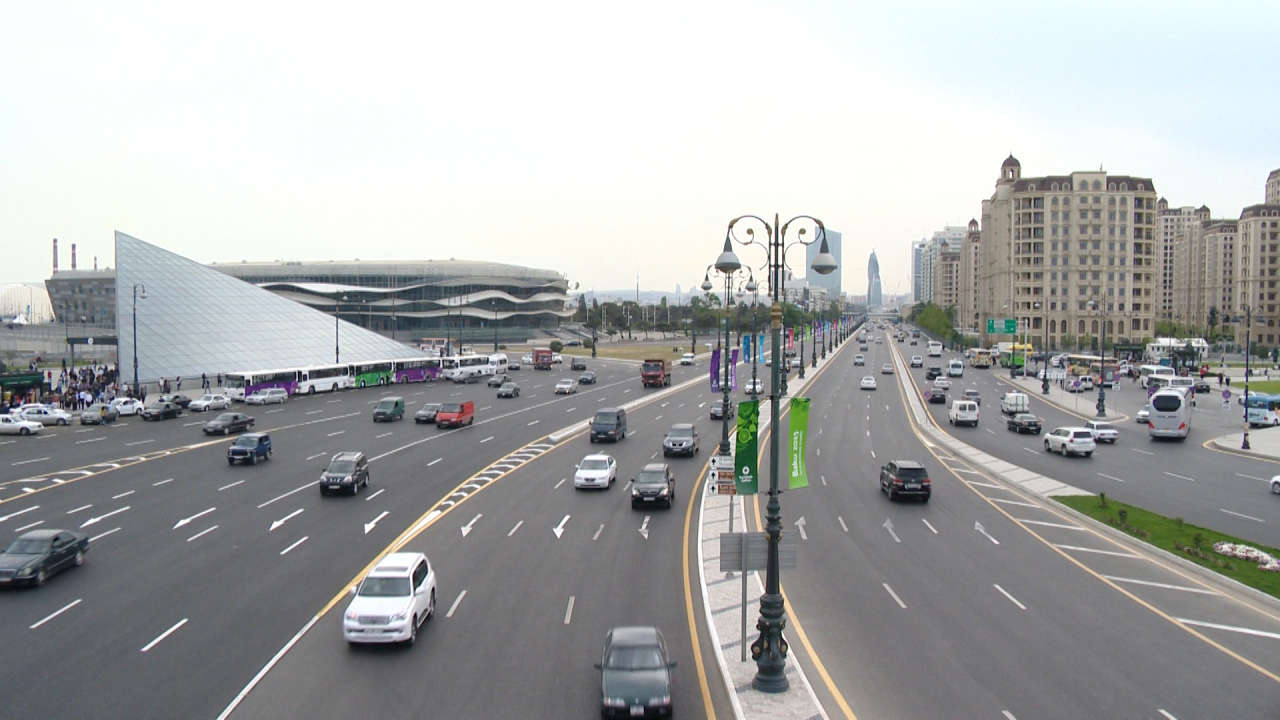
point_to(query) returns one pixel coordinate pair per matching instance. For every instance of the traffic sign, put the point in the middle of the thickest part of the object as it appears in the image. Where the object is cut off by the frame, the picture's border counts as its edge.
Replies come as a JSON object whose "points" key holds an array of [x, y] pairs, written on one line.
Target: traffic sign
{"points": [[1006, 325]]}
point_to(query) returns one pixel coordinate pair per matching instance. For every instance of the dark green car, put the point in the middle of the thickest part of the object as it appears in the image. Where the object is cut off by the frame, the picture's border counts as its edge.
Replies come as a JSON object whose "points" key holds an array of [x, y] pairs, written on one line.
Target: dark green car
{"points": [[635, 673], [37, 555]]}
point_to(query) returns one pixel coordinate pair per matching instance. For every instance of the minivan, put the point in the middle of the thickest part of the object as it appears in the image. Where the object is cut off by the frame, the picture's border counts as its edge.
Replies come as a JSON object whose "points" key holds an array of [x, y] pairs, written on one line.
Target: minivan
{"points": [[609, 424], [388, 409], [456, 414], [963, 412]]}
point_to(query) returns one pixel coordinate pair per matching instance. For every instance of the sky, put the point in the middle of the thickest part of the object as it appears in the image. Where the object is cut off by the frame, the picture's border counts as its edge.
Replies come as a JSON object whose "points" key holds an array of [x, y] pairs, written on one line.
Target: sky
{"points": [[606, 141]]}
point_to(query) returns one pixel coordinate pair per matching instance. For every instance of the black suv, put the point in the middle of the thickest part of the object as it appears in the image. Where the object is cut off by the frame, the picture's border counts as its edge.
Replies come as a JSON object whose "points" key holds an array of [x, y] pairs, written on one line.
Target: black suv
{"points": [[577, 364], [654, 485], [681, 439], [348, 470], [905, 477], [933, 372]]}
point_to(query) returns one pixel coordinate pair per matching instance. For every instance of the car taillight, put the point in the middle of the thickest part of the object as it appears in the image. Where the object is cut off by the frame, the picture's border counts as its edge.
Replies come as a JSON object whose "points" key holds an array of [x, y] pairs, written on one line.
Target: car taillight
{"points": [[1183, 426], [926, 481]]}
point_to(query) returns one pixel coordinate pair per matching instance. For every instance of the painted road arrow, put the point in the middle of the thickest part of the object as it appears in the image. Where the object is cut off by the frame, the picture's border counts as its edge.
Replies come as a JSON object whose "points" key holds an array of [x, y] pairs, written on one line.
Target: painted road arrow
{"points": [[374, 523], [559, 529], [644, 528], [888, 525], [800, 528], [978, 526], [277, 523], [16, 514], [186, 520], [467, 528], [94, 520]]}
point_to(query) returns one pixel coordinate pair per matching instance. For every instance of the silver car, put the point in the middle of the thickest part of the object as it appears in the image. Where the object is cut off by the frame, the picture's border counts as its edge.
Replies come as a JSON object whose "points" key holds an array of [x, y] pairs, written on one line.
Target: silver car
{"points": [[46, 415]]}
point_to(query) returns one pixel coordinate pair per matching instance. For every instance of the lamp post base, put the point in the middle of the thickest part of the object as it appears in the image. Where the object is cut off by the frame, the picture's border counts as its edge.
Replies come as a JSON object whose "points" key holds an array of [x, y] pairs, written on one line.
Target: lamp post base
{"points": [[1245, 445], [769, 649]]}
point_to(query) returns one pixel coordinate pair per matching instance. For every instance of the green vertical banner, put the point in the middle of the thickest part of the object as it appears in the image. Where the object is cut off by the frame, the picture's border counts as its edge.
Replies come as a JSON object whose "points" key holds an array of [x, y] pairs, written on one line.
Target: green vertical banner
{"points": [[799, 426], [746, 456]]}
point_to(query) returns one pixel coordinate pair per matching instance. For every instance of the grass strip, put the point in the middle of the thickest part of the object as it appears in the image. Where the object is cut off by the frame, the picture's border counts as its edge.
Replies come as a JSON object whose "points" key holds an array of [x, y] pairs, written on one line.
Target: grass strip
{"points": [[1183, 539]]}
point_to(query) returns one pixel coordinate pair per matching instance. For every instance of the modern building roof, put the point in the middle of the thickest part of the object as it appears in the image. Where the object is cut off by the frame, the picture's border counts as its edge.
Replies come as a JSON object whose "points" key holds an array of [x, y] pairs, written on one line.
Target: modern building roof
{"points": [[468, 269]]}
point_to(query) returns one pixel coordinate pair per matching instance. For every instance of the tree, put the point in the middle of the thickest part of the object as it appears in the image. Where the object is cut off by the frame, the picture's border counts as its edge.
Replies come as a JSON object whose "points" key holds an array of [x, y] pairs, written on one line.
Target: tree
{"points": [[1213, 320], [556, 346]]}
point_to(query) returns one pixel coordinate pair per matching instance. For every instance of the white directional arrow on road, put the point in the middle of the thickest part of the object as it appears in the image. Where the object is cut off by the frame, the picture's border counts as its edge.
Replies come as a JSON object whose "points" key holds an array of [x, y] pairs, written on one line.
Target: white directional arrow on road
{"points": [[467, 528], [644, 528], [16, 514], [277, 523], [374, 523], [559, 529], [978, 526], [800, 527], [186, 520], [888, 525], [94, 520]]}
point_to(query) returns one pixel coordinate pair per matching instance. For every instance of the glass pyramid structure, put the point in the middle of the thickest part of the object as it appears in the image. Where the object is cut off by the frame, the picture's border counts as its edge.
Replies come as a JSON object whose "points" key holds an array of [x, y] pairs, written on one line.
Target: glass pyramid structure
{"points": [[196, 320]]}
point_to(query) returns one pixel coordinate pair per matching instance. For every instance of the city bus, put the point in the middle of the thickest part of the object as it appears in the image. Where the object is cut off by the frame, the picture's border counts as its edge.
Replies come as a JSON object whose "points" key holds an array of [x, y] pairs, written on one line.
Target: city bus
{"points": [[1015, 356], [322, 378], [981, 358], [241, 384], [425, 369], [1105, 375], [1170, 415], [435, 345], [364, 374], [1263, 410], [464, 368]]}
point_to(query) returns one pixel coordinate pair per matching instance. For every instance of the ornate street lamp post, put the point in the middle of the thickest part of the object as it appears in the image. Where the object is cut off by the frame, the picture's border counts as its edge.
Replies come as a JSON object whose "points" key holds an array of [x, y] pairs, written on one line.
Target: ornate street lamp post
{"points": [[136, 390], [1248, 338], [1102, 353], [1044, 381]]}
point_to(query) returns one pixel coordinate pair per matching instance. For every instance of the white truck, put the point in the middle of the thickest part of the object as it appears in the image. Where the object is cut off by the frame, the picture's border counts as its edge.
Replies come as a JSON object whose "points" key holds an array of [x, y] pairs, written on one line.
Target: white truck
{"points": [[1014, 402]]}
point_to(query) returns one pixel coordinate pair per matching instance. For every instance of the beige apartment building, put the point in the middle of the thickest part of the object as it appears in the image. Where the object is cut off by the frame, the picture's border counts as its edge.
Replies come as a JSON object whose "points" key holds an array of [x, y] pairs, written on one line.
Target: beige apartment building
{"points": [[1273, 188], [1170, 224], [1204, 272], [970, 262], [946, 275], [1069, 254], [1258, 269]]}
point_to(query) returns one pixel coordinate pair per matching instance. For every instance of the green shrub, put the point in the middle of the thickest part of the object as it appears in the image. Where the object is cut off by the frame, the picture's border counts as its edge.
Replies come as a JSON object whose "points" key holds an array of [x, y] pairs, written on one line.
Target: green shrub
{"points": [[556, 346]]}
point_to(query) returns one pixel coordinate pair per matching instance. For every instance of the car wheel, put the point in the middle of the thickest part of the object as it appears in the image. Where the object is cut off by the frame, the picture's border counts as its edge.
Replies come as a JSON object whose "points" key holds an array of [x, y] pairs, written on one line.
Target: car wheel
{"points": [[1089, 454], [253, 459], [1046, 446], [323, 492], [79, 558], [230, 461], [41, 577], [62, 421], [24, 431], [413, 631], [431, 605], [355, 488]]}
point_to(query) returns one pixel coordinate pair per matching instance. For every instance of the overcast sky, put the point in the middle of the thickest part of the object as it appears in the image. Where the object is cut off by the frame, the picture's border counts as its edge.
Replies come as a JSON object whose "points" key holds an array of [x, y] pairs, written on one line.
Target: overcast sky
{"points": [[602, 139]]}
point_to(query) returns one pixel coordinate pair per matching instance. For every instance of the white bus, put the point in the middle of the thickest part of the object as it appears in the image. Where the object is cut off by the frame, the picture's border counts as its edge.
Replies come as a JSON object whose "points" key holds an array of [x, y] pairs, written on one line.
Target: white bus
{"points": [[935, 348], [323, 378], [1170, 414], [465, 368], [1147, 371]]}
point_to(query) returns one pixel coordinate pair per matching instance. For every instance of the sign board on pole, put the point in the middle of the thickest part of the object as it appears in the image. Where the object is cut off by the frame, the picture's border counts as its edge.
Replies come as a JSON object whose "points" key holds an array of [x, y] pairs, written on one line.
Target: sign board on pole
{"points": [[722, 472], [1003, 325], [739, 556]]}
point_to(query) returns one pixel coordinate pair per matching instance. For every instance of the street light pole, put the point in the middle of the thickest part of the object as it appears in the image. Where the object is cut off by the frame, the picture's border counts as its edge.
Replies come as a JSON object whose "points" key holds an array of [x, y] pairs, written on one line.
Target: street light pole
{"points": [[769, 650], [1248, 338], [494, 304], [1102, 353], [136, 390], [1044, 382]]}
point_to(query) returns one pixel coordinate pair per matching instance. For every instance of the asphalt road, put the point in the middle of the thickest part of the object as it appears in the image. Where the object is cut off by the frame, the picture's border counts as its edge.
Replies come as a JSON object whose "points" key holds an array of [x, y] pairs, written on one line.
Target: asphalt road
{"points": [[915, 611], [199, 572]]}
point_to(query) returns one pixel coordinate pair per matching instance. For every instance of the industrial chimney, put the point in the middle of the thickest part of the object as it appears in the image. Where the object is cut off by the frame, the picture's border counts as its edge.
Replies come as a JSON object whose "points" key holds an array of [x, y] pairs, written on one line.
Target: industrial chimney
{"points": [[73, 256], [55, 256]]}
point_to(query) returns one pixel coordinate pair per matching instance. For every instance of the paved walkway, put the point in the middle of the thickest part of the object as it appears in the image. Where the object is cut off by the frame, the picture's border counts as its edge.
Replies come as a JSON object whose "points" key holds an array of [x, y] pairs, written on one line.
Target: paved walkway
{"points": [[1264, 443], [1083, 404]]}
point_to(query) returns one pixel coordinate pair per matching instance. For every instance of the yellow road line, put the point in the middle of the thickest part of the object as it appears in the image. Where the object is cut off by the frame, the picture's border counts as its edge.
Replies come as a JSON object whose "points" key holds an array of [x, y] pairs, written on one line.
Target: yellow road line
{"points": [[688, 596]]}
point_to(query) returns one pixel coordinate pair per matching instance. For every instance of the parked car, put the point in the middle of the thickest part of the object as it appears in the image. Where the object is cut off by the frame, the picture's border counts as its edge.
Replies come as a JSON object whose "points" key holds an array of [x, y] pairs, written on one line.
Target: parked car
{"points": [[566, 386], [595, 470], [346, 471], [681, 439], [37, 555], [654, 484], [45, 415], [15, 425], [210, 402], [161, 411], [427, 413], [392, 601], [578, 363], [127, 406], [98, 414], [1070, 441], [228, 422], [250, 448], [509, 390], [719, 409], [495, 381], [868, 382], [917, 361], [587, 378], [1024, 423], [635, 674], [905, 478], [795, 363], [267, 396], [1103, 431]]}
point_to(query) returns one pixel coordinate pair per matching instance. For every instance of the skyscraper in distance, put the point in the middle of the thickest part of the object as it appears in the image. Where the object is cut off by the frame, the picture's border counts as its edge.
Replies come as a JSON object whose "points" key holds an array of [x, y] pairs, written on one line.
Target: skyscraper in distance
{"points": [[874, 296]]}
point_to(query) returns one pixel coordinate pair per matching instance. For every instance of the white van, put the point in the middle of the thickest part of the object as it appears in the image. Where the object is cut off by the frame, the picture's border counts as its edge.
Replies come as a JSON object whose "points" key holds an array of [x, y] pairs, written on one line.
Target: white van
{"points": [[1014, 402], [955, 368], [1146, 371], [963, 412]]}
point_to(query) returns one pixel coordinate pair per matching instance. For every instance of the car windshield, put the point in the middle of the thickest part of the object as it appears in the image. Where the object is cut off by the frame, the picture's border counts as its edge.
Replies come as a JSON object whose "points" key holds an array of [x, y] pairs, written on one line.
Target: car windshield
{"points": [[606, 420], [342, 467], [508, 386], [206, 398], [1026, 418], [651, 478], [386, 404], [384, 587], [649, 367], [430, 407], [27, 546], [245, 442], [1103, 426], [680, 432], [594, 464], [631, 657], [908, 472], [450, 408]]}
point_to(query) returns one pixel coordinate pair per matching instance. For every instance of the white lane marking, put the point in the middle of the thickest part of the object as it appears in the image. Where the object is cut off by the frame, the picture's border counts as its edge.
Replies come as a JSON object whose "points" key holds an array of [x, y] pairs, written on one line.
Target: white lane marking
{"points": [[1049, 524], [102, 535], [926, 524], [198, 422], [257, 678], [375, 494], [313, 457], [1110, 477], [55, 613], [873, 454], [281, 497], [379, 437], [1008, 715], [268, 412], [1166, 586], [1241, 515], [486, 439], [139, 442], [1113, 553], [559, 529], [277, 523], [531, 423], [202, 532], [230, 485], [330, 402], [336, 432], [455, 604], [433, 462], [888, 525], [993, 432], [842, 525], [568, 611], [1251, 477], [84, 431], [82, 507], [557, 487], [164, 635], [466, 529], [1144, 452], [374, 522], [1229, 628], [94, 520], [570, 410], [894, 595], [598, 531], [166, 481], [823, 477], [978, 526], [700, 405], [1012, 599], [1014, 502], [1180, 477], [33, 460], [514, 528], [1166, 715], [187, 520], [28, 526], [286, 550], [975, 482], [487, 407], [82, 442], [1033, 452], [126, 493]]}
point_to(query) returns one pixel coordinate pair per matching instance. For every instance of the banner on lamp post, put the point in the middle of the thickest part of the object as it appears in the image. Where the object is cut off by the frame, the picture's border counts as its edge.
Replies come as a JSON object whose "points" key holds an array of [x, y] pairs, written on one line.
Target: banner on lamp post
{"points": [[799, 427], [733, 370], [715, 370], [746, 456], [760, 348], [746, 346]]}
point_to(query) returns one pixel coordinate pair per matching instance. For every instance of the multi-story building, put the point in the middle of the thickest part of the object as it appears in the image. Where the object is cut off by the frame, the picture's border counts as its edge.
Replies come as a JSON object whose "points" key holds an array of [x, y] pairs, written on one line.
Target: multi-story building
{"points": [[918, 250], [970, 262], [1204, 273], [873, 282], [1258, 271], [946, 274], [830, 282], [1070, 255], [1273, 188], [1170, 224]]}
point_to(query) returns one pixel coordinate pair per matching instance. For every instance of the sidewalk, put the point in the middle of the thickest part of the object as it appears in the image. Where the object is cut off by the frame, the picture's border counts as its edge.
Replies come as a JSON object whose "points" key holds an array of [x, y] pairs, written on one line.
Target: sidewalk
{"points": [[1264, 443], [1083, 404]]}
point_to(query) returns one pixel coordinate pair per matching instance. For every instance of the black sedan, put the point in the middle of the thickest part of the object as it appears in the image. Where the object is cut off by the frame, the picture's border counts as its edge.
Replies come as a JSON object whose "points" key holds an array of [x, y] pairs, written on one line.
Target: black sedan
{"points": [[587, 378], [1201, 387], [427, 414], [1025, 423], [161, 411], [936, 396], [37, 555], [718, 409], [509, 390], [635, 674], [933, 372], [228, 422]]}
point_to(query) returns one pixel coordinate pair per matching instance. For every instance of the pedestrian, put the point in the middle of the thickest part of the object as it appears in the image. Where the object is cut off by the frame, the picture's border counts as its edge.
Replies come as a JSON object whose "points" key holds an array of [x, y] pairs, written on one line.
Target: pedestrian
{"points": [[219, 379], [179, 379], [1228, 381]]}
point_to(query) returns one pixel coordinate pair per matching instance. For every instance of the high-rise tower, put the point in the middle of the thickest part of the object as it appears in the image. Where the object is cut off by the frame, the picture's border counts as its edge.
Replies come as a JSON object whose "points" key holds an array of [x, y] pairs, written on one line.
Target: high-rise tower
{"points": [[874, 298]]}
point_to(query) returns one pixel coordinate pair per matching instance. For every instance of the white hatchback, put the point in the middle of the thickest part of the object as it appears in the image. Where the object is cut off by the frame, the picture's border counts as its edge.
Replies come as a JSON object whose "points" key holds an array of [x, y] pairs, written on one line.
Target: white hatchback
{"points": [[14, 425], [566, 386], [267, 396], [392, 601]]}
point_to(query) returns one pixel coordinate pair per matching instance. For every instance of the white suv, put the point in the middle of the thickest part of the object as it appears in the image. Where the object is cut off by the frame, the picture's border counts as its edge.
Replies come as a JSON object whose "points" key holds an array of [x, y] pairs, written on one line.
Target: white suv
{"points": [[397, 596], [687, 359], [917, 361], [1070, 441]]}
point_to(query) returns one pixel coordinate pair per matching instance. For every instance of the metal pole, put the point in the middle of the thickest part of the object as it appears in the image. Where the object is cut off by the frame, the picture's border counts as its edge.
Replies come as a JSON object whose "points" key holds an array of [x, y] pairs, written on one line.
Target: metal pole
{"points": [[1248, 309], [800, 355], [724, 385], [1102, 374], [1044, 383], [335, 332], [136, 391]]}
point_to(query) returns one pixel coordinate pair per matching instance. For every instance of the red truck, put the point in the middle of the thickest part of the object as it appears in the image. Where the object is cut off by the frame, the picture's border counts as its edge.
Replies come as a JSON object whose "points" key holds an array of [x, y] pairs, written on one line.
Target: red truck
{"points": [[542, 358], [655, 373]]}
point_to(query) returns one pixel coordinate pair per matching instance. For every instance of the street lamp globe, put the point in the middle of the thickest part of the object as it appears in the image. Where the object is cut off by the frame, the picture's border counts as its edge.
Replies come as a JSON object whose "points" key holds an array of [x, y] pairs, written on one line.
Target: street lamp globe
{"points": [[706, 283], [824, 263], [727, 262]]}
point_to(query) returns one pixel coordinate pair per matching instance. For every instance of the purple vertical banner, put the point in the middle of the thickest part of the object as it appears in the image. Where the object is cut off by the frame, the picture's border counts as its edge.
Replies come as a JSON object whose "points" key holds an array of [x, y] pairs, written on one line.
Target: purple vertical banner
{"points": [[733, 371], [715, 370]]}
